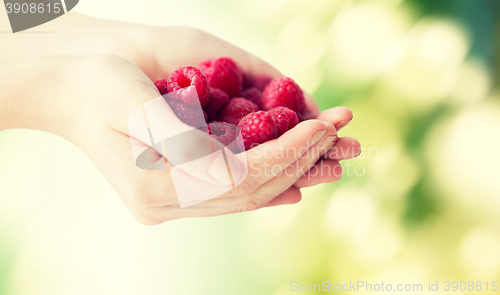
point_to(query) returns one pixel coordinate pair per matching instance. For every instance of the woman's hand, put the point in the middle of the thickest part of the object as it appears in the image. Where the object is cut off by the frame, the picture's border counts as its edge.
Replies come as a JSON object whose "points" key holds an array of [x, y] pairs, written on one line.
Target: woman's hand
{"points": [[91, 99]]}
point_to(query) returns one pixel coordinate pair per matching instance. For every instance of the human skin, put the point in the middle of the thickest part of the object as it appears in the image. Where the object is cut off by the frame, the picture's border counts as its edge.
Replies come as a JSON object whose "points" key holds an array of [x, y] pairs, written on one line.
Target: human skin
{"points": [[83, 77]]}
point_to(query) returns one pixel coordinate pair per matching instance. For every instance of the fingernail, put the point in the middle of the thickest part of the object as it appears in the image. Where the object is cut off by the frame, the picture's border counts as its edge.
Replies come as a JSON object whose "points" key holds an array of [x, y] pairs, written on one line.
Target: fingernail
{"points": [[317, 136], [358, 153], [329, 147], [342, 124], [327, 142]]}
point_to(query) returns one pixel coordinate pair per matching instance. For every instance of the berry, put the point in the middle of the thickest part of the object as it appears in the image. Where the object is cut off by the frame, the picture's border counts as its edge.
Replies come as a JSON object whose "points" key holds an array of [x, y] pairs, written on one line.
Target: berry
{"points": [[247, 80], [188, 76], [224, 73], [161, 84], [260, 82], [284, 119], [256, 128], [236, 109], [192, 116], [217, 100], [301, 116], [283, 92], [227, 134], [254, 95], [205, 128]]}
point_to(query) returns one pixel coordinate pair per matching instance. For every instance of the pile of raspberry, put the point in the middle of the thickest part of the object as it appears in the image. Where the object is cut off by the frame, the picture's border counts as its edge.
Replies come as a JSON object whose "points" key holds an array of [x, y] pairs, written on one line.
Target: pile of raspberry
{"points": [[232, 101]]}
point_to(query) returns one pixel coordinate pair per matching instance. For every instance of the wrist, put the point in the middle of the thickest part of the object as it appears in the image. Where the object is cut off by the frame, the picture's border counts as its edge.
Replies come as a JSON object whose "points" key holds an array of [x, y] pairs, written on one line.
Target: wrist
{"points": [[31, 91]]}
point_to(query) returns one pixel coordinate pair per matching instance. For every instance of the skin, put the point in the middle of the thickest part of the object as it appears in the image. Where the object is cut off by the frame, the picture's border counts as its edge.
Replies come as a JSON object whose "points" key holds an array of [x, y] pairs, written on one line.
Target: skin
{"points": [[83, 81]]}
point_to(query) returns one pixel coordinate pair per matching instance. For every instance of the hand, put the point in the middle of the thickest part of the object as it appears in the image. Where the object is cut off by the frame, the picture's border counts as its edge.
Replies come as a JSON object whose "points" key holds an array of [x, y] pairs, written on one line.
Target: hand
{"points": [[96, 105]]}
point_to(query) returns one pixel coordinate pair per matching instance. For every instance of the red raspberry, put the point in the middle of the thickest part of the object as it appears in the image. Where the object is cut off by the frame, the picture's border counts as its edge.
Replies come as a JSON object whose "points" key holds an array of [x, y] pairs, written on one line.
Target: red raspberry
{"points": [[224, 73], [205, 129], [195, 117], [189, 76], [301, 116], [247, 80], [254, 95], [161, 84], [256, 128], [227, 134], [236, 109], [283, 92], [216, 101], [260, 82], [284, 119]]}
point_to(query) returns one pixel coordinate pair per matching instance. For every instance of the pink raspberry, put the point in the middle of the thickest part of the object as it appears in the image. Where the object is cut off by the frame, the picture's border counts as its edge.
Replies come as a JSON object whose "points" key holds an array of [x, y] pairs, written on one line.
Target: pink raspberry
{"points": [[247, 80], [254, 95], [227, 134], [301, 116], [217, 100], [161, 84], [236, 109], [195, 117], [261, 81], [189, 76], [283, 92], [284, 119], [256, 128], [224, 73]]}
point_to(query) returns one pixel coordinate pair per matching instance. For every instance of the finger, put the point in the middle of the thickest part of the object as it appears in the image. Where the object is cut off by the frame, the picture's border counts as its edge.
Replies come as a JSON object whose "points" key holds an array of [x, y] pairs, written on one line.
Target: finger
{"points": [[339, 117], [325, 171], [345, 148], [219, 206], [271, 158], [290, 196], [311, 109], [292, 173]]}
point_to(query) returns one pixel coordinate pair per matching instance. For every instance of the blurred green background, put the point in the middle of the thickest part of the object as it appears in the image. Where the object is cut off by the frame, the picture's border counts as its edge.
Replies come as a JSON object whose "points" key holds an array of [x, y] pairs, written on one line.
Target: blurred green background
{"points": [[420, 204]]}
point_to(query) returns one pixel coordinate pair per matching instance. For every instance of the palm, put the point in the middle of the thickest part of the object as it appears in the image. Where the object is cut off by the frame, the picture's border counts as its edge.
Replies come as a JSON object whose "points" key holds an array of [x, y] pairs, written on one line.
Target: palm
{"points": [[193, 46]]}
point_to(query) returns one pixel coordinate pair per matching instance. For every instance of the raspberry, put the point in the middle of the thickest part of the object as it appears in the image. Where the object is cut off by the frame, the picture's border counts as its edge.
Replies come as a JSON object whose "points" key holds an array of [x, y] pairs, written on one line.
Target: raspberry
{"points": [[254, 95], [224, 73], [256, 128], [284, 119], [283, 92], [236, 109], [192, 116], [205, 129], [260, 82], [227, 134], [247, 80], [216, 101], [301, 116], [161, 84], [189, 76]]}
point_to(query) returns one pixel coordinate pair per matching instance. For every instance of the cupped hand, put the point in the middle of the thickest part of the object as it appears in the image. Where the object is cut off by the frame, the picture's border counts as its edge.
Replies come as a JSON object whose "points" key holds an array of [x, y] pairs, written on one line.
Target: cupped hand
{"points": [[110, 87]]}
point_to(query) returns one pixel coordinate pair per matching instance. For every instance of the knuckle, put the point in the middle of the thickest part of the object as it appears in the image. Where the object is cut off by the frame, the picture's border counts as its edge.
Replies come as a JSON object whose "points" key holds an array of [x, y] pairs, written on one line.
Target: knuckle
{"points": [[246, 187], [247, 204]]}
